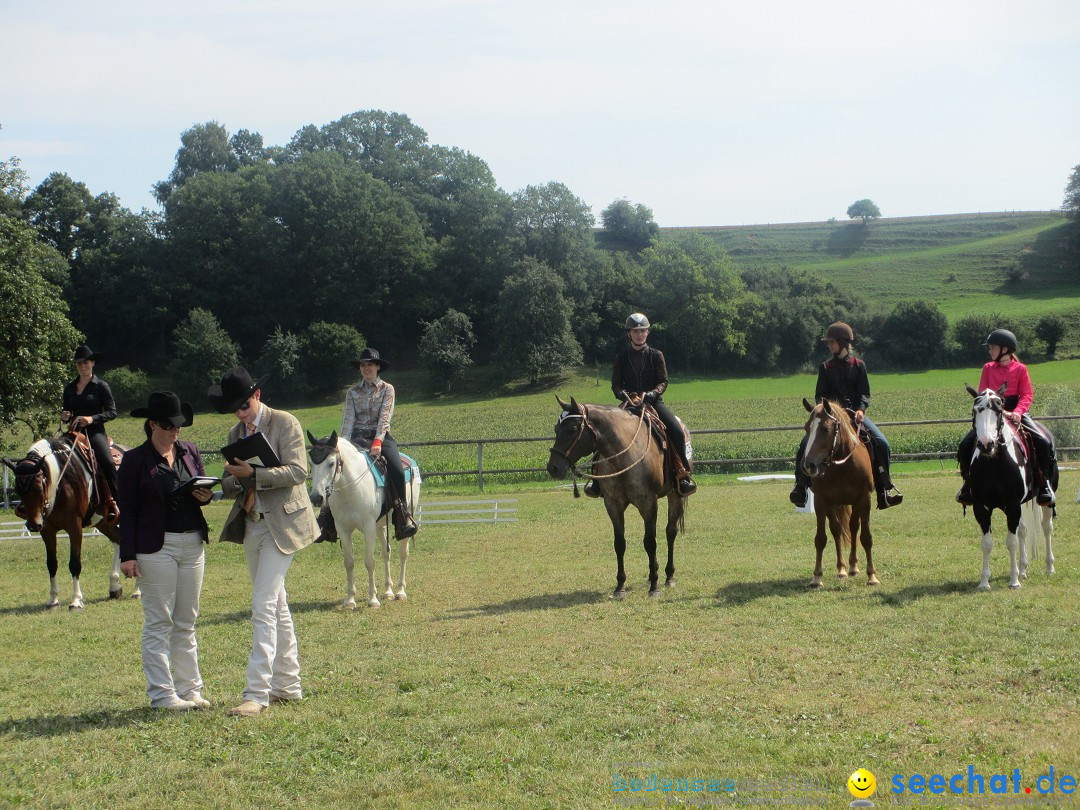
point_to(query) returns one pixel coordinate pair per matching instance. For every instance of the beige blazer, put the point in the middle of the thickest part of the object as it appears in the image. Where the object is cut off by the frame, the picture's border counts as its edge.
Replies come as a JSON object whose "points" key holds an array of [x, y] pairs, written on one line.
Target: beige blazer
{"points": [[283, 494]]}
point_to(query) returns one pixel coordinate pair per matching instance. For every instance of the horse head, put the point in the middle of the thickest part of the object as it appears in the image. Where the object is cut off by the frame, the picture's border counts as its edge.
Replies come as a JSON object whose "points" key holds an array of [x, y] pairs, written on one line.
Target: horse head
{"points": [[828, 432], [574, 438], [32, 485], [988, 417], [324, 465]]}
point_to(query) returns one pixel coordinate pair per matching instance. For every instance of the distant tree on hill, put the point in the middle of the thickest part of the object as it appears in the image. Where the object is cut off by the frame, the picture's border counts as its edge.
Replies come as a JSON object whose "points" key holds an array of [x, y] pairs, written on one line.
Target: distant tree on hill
{"points": [[628, 227], [913, 335], [865, 210], [1071, 205], [1050, 329]]}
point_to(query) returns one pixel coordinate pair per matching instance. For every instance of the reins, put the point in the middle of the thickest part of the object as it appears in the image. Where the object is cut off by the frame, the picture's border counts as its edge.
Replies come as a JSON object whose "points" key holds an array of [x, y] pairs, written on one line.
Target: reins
{"points": [[835, 440], [587, 424]]}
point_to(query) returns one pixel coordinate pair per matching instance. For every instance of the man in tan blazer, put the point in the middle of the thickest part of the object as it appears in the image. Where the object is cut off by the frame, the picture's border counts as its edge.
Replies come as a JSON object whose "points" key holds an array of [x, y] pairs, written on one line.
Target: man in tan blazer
{"points": [[272, 517]]}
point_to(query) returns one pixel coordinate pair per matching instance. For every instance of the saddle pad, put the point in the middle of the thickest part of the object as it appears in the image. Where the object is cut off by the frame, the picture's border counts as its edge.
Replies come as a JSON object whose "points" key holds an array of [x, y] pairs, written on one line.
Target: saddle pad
{"points": [[408, 464]]}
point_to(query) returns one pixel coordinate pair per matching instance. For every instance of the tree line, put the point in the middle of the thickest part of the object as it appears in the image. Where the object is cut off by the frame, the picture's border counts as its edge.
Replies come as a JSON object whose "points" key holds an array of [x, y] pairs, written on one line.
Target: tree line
{"points": [[291, 258]]}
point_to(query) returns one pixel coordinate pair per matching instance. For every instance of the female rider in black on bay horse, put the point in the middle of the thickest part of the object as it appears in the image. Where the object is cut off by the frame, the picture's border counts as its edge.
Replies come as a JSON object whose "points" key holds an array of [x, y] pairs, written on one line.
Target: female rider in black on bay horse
{"points": [[842, 378], [641, 369]]}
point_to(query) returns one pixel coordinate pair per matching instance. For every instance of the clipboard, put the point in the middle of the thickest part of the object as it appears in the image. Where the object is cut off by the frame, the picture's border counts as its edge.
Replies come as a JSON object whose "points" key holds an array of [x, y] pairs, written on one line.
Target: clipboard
{"points": [[198, 482], [255, 450]]}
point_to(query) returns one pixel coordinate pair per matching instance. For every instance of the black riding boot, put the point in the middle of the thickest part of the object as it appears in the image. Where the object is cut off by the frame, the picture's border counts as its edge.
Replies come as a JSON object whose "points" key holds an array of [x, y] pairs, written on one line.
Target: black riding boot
{"points": [[886, 496], [802, 481], [963, 458], [404, 525], [328, 529], [592, 488]]}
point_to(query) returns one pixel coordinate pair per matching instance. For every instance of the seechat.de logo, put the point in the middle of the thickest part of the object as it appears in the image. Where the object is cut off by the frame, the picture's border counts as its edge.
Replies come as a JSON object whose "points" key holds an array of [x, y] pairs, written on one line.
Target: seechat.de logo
{"points": [[862, 784]]}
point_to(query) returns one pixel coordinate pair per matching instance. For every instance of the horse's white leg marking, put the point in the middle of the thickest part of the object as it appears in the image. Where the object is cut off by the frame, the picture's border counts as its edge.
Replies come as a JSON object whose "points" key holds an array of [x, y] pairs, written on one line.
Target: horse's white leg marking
{"points": [[54, 593], [384, 543], [1022, 532], [987, 545], [1048, 534], [76, 595], [116, 590], [1011, 542], [403, 558], [370, 533], [350, 564]]}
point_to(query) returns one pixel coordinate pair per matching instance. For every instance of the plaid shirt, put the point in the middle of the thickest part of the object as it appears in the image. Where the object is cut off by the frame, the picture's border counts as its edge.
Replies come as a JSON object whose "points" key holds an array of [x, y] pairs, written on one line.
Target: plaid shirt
{"points": [[368, 410]]}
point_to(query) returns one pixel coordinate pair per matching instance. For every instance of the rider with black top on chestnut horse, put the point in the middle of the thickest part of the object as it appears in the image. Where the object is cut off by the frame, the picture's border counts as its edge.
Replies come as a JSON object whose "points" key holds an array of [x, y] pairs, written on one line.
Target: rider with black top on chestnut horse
{"points": [[842, 379], [87, 405], [640, 372]]}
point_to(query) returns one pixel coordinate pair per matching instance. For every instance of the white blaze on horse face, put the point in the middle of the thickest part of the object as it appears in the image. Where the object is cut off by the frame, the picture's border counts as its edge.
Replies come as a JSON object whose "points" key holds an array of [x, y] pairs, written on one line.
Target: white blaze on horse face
{"points": [[986, 422], [812, 435], [320, 476]]}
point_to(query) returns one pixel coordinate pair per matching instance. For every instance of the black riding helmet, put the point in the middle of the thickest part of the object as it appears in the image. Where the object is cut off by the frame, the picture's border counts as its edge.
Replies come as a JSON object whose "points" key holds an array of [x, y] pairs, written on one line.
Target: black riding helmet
{"points": [[637, 321], [1003, 338]]}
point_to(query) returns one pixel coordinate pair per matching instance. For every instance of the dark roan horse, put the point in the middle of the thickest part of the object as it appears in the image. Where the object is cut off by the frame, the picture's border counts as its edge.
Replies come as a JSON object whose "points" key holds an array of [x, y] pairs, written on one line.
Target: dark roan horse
{"points": [[56, 487], [838, 463], [629, 465], [1002, 477]]}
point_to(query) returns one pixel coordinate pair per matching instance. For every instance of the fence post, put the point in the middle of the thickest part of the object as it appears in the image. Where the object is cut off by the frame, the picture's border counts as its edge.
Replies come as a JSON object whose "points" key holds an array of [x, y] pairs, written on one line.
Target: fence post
{"points": [[480, 465], [7, 503]]}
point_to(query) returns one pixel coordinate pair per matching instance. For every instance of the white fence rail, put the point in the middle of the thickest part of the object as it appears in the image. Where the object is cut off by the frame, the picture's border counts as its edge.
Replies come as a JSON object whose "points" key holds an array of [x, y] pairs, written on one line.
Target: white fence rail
{"points": [[494, 511], [16, 530]]}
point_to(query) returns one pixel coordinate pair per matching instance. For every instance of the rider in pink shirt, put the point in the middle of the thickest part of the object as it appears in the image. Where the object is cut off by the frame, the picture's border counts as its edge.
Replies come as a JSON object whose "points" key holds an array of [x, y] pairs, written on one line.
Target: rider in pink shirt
{"points": [[1004, 367]]}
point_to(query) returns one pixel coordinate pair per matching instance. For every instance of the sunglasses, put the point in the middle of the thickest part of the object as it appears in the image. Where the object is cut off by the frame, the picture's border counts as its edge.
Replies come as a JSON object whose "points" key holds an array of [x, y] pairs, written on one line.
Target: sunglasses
{"points": [[167, 426]]}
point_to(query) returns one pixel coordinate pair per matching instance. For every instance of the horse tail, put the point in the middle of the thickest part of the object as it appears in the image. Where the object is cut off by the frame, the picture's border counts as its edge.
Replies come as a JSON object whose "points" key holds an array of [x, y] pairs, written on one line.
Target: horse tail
{"points": [[682, 515], [843, 514]]}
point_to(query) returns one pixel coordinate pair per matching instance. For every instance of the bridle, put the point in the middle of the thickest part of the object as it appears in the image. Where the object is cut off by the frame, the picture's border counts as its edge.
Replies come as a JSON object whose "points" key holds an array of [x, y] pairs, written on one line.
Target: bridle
{"points": [[586, 425], [837, 430], [319, 454], [993, 402]]}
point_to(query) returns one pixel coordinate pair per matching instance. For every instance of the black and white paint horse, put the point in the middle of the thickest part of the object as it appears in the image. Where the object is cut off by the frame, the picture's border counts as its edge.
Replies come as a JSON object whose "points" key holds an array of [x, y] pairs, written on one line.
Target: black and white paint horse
{"points": [[1003, 477]]}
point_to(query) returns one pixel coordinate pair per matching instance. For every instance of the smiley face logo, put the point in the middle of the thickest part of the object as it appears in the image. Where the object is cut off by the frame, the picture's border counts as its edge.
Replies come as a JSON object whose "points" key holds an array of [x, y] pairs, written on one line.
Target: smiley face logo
{"points": [[862, 784]]}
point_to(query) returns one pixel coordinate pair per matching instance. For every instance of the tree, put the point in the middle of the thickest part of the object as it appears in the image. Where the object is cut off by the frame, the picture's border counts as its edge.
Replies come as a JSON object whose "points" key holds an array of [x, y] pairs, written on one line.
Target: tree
{"points": [[534, 334], [628, 227], [1071, 205], [38, 341], [59, 209], [913, 335], [12, 187], [1050, 329], [203, 353], [327, 350], [280, 358], [865, 210], [446, 345], [203, 148], [554, 226], [969, 336]]}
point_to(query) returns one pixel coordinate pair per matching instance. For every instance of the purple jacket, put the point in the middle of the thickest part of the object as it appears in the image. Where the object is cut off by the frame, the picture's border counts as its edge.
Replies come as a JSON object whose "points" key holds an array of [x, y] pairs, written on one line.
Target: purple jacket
{"points": [[142, 505]]}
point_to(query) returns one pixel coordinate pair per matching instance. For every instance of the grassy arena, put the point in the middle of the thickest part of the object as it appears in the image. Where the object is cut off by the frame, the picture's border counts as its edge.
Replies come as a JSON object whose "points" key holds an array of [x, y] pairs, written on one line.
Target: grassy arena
{"points": [[510, 679]]}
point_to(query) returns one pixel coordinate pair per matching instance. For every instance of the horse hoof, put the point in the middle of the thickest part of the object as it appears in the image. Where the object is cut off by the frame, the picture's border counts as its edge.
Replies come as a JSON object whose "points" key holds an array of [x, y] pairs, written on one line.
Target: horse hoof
{"points": [[1049, 569], [841, 574], [116, 594], [873, 580], [815, 585], [52, 605], [402, 596], [137, 595], [655, 594], [670, 583], [983, 587], [388, 596], [1014, 585], [80, 605], [374, 603], [620, 595], [853, 572], [349, 604]]}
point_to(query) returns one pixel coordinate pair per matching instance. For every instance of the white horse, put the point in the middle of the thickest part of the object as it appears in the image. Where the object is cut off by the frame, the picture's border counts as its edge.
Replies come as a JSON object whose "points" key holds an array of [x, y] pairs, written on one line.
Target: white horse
{"points": [[341, 476]]}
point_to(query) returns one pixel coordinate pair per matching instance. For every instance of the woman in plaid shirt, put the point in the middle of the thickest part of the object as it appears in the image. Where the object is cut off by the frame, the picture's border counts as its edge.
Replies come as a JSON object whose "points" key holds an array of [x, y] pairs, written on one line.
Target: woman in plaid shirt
{"points": [[369, 407]]}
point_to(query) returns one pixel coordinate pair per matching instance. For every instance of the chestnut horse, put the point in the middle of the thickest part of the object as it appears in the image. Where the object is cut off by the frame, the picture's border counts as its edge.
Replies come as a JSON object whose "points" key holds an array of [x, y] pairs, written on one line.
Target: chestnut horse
{"points": [[839, 466], [629, 465], [1002, 477], [56, 487]]}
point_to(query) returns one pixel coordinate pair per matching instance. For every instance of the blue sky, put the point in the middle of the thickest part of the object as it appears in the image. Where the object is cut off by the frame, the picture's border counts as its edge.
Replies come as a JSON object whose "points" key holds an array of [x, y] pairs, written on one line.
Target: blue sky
{"points": [[710, 113]]}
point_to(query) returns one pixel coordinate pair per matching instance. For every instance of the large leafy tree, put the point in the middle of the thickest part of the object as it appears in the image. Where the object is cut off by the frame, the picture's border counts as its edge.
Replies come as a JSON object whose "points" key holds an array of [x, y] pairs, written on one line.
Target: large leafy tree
{"points": [[38, 341], [446, 347], [553, 225], [864, 209], [203, 353], [203, 148], [913, 335], [534, 334], [628, 227], [1071, 204]]}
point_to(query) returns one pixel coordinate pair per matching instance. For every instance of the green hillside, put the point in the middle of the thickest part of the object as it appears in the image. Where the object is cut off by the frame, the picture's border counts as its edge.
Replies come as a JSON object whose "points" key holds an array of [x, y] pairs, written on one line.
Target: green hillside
{"points": [[961, 262]]}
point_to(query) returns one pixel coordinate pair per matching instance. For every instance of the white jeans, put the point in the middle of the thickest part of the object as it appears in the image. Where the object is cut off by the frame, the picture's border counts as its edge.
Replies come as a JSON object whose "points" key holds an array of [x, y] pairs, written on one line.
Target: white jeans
{"points": [[171, 581], [274, 665]]}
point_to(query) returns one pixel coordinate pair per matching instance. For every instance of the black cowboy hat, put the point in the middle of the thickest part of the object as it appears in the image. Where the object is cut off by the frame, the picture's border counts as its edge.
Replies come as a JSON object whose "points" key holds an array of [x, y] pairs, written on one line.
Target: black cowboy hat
{"points": [[235, 389], [370, 355], [165, 406], [84, 352]]}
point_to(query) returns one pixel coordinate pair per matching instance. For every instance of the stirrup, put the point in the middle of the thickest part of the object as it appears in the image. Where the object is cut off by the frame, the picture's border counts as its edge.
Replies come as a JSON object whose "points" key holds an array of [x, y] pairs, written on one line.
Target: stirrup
{"points": [[798, 496], [328, 527], [885, 500], [963, 497], [687, 486], [1046, 497], [592, 489], [407, 528]]}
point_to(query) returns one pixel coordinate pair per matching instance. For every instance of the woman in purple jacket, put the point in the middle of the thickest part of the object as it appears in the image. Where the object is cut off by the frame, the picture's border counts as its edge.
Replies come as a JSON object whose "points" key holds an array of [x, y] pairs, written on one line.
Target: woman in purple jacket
{"points": [[161, 541]]}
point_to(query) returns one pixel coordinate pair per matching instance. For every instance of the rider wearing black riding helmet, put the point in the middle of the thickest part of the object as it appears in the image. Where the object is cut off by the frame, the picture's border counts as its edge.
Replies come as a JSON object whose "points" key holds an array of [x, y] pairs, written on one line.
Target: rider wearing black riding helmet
{"points": [[1005, 367], [842, 378], [641, 369]]}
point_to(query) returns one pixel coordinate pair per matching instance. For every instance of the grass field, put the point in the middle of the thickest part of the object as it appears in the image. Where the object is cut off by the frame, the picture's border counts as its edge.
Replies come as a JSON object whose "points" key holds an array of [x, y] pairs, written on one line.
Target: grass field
{"points": [[510, 679]]}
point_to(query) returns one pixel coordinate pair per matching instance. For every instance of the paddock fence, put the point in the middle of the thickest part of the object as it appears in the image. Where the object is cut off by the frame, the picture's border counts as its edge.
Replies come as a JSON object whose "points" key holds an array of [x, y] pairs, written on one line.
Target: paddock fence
{"points": [[775, 463]]}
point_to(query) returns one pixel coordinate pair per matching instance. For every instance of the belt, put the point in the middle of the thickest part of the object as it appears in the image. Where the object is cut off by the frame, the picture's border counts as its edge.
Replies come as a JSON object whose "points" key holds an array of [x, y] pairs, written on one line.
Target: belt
{"points": [[254, 516]]}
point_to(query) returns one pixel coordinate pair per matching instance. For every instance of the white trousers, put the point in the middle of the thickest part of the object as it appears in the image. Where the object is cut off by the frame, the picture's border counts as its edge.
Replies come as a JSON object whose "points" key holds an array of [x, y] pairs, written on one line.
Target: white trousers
{"points": [[171, 582], [274, 664]]}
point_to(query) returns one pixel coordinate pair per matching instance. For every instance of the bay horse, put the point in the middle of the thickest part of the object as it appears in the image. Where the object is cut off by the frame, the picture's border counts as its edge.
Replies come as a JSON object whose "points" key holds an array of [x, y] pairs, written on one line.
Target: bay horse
{"points": [[629, 465], [341, 476], [1003, 477], [838, 463], [56, 487]]}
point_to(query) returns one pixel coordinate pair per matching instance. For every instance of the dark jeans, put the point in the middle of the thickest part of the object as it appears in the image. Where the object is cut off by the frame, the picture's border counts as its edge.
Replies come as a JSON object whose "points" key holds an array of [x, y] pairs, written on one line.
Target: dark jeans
{"points": [[99, 442], [674, 430], [393, 464]]}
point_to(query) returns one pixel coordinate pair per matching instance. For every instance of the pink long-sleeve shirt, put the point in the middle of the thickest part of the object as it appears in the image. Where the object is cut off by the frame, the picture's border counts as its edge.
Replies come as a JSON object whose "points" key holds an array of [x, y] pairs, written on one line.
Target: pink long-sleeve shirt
{"points": [[1016, 376]]}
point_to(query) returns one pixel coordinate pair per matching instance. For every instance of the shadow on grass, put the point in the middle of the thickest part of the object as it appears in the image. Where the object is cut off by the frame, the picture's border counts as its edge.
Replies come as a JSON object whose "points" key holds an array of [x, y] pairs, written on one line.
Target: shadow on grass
{"points": [[58, 725], [912, 593], [244, 615], [549, 601], [739, 593]]}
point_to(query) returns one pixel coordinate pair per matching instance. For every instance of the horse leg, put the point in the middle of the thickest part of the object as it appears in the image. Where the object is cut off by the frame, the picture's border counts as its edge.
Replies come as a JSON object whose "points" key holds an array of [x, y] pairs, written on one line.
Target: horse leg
{"points": [[116, 588], [675, 514], [649, 516], [384, 541], [1048, 533], [403, 558], [49, 537], [837, 529], [1012, 515], [370, 533], [345, 536], [820, 540], [1022, 541], [618, 524], [854, 521], [867, 540], [75, 567]]}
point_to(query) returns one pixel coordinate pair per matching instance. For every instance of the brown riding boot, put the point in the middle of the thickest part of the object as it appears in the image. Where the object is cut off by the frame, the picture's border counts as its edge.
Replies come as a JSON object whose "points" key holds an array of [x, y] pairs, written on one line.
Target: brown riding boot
{"points": [[327, 526], [404, 525]]}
